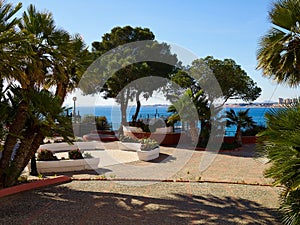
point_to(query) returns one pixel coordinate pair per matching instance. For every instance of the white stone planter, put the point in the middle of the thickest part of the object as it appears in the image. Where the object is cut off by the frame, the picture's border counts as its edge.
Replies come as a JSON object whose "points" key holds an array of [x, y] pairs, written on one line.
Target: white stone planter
{"points": [[148, 155], [129, 146], [67, 165]]}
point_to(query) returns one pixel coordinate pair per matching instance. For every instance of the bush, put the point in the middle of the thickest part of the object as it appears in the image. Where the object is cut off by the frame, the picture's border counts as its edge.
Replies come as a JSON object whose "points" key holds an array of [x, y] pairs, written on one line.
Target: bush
{"points": [[253, 130], [75, 154], [102, 123], [45, 155], [229, 146], [129, 139], [148, 144]]}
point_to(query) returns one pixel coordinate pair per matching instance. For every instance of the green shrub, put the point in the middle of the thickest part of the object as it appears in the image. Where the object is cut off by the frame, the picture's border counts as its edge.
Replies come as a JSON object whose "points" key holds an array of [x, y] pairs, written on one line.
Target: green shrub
{"points": [[280, 143], [45, 155], [252, 131], [148, 144], [102, 123], [129, 139], [229, 146], [75, 154]]}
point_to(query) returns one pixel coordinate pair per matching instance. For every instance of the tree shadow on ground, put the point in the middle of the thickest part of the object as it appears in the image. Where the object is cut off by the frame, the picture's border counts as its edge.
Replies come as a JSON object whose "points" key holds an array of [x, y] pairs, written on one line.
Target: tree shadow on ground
{"points": [[246, 151], [64, 205]]}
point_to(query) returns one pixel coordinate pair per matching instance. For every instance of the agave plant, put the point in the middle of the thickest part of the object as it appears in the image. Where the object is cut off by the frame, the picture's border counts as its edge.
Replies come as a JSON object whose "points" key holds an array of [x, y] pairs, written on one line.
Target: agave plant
{"points": [[148, 144]]}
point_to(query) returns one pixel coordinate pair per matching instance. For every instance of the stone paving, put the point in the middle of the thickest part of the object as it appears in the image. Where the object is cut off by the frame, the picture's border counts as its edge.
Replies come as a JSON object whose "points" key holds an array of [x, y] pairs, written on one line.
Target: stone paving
{"points": [[218, 201]]}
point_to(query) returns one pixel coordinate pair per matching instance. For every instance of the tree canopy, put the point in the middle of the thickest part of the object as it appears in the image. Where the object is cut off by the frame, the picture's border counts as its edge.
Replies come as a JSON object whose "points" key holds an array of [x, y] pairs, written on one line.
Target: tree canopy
{"points": [[120, 84]]}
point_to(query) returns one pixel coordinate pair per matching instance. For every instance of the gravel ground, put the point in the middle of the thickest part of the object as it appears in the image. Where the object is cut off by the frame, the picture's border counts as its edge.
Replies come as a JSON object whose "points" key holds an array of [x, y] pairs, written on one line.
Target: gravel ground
{"points": [[107, 202], [217, 201]]}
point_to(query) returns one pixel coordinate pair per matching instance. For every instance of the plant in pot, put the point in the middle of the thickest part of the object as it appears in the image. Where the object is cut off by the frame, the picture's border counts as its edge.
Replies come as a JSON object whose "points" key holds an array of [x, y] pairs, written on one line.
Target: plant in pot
{"points": [[75, 154], [46, 155], [76, 162], [149, 149], [129, 143]]}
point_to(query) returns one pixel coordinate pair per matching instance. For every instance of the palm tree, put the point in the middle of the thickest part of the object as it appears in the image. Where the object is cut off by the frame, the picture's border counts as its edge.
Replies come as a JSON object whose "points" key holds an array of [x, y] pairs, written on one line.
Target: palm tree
{"points": [[240, 120], [50, 59], [278, 55], [191, 107], [280, 142]]}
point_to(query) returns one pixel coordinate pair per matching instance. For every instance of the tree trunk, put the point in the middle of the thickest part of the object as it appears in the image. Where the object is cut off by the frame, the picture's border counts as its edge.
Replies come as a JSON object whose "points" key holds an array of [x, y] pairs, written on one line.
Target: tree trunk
{"points": [[238, 136], [15, 130], [26, 152], [33, 169], [194, 132], [204, 133], [137, 110], [138, 107], [61, 92], [123, 114], [123, 101]]}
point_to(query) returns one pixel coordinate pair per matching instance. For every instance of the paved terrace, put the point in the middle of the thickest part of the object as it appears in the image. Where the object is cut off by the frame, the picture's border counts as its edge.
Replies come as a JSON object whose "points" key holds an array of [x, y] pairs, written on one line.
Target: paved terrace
{"points": [[217, 199]]}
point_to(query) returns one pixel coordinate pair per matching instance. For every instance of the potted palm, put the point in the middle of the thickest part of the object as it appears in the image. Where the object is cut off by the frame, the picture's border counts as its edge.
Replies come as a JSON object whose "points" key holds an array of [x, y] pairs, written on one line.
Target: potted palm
{"points": [[149, 149]]}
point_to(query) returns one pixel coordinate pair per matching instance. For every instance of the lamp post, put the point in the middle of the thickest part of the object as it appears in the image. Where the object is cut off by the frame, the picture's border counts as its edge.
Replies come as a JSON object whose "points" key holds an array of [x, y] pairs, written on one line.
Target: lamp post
{"points": [[74, 109]]}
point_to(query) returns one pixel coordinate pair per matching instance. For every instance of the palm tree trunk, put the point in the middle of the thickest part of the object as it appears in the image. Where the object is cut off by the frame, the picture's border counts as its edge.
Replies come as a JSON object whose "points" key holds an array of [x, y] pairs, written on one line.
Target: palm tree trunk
{"points": [[26, 151], [61, 92], [238, 136], [11, 140]]}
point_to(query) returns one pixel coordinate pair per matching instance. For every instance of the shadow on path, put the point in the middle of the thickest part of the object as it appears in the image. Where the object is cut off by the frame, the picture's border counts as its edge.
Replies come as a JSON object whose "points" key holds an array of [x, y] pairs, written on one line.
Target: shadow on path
{"points": [[65, 205]]}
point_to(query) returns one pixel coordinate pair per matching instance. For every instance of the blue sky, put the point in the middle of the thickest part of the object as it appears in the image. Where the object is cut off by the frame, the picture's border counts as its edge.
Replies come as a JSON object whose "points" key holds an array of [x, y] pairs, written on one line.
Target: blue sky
{"points": [[221, 28]]}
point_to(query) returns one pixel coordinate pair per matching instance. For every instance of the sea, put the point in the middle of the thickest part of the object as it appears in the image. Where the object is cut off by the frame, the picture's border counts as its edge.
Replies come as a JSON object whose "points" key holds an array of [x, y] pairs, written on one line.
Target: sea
{"points": [[113, 113]]}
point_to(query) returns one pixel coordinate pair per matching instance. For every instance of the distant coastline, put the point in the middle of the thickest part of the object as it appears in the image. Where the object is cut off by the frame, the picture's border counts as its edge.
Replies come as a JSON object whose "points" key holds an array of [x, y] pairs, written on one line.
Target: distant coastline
{"points": [[227, 106]]}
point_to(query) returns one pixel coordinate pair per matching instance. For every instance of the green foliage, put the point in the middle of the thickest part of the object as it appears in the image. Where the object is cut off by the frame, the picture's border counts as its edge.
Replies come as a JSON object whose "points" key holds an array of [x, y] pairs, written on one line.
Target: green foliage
{"points": [[280, 143], [119, 84], [45, 155], [102, 123], [148, 144], [87, 155], [229, 146], [75, 154], [32, 46], [241, 119], [254, 130], [129, 139], [233, 80], [278, 54]]}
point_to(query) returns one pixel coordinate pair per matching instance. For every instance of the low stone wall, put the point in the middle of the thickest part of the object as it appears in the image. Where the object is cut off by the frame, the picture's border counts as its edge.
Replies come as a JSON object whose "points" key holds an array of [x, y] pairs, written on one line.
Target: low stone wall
{"points": [[245, 139], [167, 139]]}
